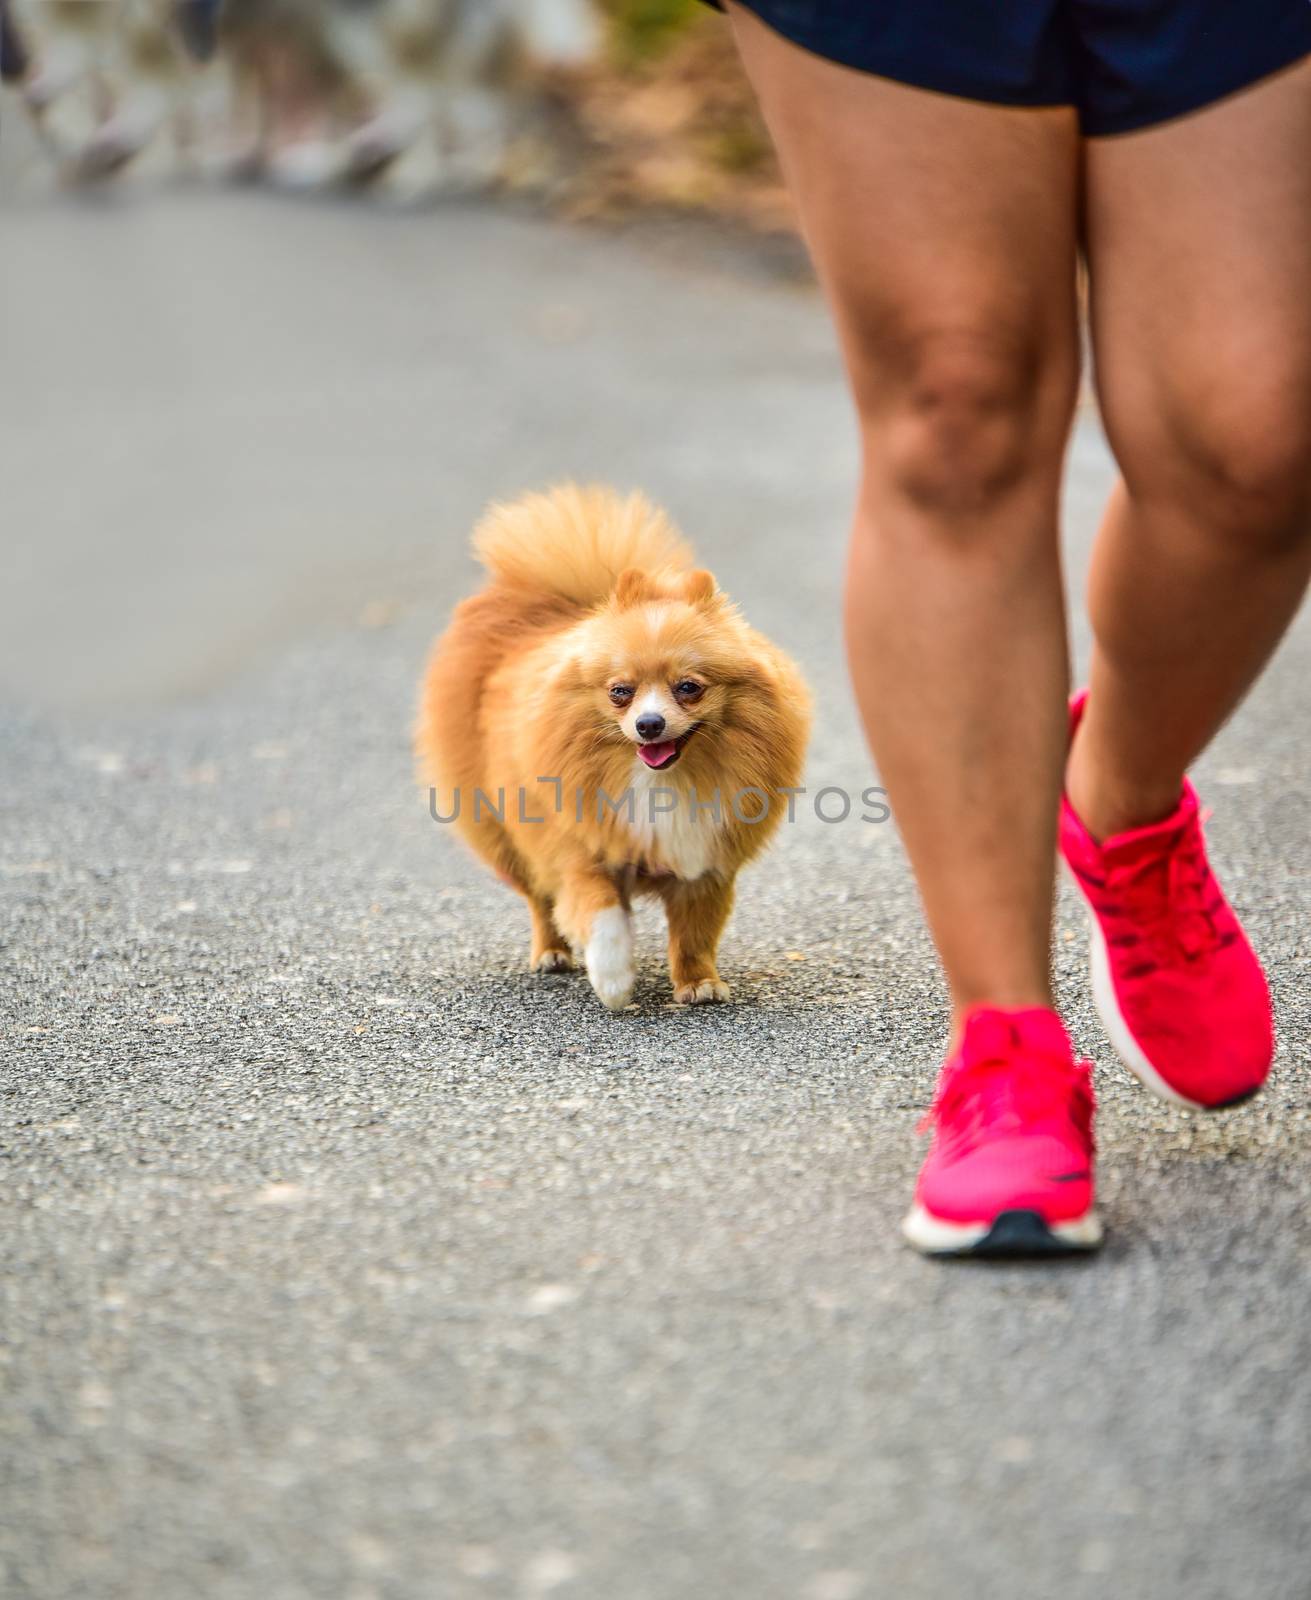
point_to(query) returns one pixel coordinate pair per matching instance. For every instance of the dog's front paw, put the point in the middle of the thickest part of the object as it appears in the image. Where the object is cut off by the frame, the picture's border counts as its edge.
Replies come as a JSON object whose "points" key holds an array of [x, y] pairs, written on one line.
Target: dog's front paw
{"points": [[702, 991], [553, 961], [609, 957]]}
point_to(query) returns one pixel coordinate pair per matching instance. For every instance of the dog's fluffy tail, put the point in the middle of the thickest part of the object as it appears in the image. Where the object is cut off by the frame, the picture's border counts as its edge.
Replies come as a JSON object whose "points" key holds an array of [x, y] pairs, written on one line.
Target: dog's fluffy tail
{"points": [[573, 542]]}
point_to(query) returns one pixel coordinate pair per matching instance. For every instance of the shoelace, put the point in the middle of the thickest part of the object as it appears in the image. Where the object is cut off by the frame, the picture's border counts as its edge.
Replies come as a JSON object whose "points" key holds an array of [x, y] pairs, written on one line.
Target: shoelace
{"points": [[975, 1098], [1165, 898]]}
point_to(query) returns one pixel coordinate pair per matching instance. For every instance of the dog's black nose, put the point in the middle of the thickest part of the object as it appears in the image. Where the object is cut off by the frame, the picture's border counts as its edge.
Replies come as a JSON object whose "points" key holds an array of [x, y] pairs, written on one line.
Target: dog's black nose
{"points": [[650, 726]]}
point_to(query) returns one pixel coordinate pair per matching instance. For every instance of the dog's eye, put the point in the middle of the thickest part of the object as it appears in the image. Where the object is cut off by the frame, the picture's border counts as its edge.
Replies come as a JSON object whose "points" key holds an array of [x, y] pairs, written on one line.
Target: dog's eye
{"points": [[621, 694], [687, 690]]}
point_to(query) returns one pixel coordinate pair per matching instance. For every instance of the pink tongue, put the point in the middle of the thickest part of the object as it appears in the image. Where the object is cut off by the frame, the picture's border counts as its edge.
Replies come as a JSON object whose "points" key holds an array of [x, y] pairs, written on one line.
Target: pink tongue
{"points": [[655, 755]]}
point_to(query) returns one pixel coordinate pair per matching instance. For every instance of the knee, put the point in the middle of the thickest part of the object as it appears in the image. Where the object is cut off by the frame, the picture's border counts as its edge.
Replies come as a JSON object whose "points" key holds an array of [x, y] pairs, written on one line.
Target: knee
{"points": [[1240, 459], [969, 418]]}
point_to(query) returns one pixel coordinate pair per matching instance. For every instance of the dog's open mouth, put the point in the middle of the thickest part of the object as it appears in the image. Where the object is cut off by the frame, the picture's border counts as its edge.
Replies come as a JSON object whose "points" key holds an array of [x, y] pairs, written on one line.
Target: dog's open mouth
{"points": [[662, 753]]}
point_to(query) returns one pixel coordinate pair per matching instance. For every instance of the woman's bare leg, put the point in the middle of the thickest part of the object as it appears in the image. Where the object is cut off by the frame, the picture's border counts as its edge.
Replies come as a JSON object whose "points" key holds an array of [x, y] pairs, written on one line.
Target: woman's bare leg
{"points": [[944, 233], [1199, 242]]}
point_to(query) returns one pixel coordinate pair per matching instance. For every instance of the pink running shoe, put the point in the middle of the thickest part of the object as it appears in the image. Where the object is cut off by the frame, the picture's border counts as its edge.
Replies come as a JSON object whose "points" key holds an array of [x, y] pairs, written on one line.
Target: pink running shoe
{"points": [[1176, 984], [1010, 1170]]}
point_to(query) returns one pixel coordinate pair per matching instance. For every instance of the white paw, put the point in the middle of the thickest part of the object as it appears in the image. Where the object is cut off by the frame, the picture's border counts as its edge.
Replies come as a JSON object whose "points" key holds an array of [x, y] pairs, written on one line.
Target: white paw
{"points": [[553, 961], [609, 957], [696, 994]]}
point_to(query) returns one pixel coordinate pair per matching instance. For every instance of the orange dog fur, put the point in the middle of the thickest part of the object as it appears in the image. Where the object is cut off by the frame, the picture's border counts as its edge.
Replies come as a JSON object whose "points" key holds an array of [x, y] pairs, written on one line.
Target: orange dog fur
{"points": [[584, 710]]}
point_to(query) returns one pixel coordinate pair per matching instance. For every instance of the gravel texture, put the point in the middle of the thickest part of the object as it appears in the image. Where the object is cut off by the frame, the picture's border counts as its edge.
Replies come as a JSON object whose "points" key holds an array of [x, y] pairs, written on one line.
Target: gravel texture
{"points": [[344, 1259]]}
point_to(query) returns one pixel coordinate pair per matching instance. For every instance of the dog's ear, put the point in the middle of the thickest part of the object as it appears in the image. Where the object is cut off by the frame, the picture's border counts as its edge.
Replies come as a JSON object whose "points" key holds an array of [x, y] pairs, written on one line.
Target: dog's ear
{"points": [[699, 587], [632, 587]]}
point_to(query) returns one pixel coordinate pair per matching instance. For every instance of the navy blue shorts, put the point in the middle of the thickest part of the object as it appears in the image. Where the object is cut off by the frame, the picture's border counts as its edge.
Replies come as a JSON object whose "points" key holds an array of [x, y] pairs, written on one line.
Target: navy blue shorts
{"points": [[1123, 64]]}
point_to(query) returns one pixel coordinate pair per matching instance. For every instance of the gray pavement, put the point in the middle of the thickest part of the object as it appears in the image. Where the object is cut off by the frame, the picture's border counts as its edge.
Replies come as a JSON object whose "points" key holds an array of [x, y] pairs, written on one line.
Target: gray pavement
{"points": [[344, 1259]]}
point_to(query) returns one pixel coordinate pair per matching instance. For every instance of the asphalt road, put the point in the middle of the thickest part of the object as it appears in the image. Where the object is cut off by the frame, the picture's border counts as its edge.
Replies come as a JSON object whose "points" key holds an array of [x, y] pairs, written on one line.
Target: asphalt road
{"points": [[342, 1258]]}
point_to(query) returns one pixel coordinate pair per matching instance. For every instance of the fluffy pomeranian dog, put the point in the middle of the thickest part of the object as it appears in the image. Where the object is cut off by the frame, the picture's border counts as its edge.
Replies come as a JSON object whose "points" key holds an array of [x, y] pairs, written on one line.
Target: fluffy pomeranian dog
{"points": [[599, 722]]}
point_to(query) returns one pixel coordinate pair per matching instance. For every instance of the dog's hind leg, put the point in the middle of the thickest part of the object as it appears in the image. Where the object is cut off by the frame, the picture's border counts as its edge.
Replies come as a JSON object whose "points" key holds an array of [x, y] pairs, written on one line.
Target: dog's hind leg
{"points": [[697, 912], [550, 952], [592, 912]]}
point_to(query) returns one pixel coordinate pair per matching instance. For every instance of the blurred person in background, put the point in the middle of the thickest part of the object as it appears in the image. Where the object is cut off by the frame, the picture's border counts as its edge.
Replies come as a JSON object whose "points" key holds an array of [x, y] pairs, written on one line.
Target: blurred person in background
{"points": [[421, 94], [290, 88], [951, 162], [14, 59], [198, 24], [347, 90], [110, 76], [457, 76]]}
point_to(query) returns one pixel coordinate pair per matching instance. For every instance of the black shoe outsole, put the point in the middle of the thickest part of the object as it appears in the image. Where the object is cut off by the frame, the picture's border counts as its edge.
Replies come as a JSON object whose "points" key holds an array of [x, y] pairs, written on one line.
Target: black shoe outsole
{"points": [[1235, 1100], [1022, 1233]]}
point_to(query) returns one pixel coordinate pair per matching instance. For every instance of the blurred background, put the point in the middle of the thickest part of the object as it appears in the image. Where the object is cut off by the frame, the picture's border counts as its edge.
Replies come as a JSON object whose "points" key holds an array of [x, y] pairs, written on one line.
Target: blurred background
{"points": [[204, 200], [593, 105]]}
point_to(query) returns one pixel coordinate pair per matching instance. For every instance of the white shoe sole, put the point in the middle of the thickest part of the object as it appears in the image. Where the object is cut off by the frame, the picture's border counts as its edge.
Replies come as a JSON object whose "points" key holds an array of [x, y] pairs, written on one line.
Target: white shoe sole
{"points": [[1010, 1233]]}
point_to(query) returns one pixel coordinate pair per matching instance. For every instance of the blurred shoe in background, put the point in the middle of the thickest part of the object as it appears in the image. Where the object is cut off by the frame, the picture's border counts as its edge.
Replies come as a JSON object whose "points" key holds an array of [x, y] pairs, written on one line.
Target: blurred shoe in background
{"points": [[108, 77], [411, 95]]}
